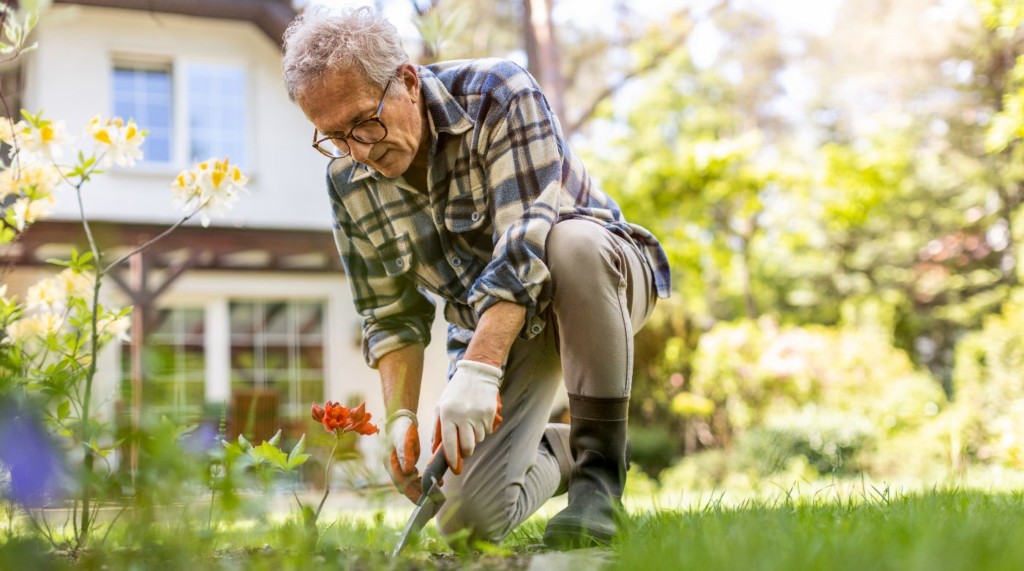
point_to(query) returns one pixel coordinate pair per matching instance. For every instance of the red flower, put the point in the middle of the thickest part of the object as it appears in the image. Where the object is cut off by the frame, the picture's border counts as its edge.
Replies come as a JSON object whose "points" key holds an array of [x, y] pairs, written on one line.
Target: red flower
{"points": [[318, 412], [359, 421], [340, 419]]}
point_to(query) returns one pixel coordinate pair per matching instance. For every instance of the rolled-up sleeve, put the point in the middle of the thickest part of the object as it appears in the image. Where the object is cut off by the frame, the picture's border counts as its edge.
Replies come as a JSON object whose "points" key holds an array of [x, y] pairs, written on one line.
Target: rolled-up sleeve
{"points": [[395, 312], [524, 163]]}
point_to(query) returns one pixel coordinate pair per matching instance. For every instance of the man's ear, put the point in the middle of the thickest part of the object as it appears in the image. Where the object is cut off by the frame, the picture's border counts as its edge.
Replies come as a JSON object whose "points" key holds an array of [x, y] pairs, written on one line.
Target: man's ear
{"points": [[411, 79]]}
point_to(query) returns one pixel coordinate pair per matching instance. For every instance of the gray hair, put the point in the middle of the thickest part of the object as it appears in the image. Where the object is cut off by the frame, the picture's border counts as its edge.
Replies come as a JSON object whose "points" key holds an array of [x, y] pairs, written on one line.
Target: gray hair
{"points": [[320, 42]]}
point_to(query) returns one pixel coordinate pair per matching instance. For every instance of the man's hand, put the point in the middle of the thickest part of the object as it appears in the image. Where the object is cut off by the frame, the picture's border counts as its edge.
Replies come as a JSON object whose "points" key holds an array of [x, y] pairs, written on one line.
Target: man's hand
{"points": [[404, 440], [467, 410]]}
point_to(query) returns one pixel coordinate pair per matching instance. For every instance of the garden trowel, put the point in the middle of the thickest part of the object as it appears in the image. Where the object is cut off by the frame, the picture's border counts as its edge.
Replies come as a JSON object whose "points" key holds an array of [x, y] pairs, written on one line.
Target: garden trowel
{"points": [[430, 502], [432, 499]]}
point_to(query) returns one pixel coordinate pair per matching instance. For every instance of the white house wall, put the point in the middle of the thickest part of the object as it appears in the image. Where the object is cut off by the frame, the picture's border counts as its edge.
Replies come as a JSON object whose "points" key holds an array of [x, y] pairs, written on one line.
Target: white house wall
{"points": [[70, 77]]}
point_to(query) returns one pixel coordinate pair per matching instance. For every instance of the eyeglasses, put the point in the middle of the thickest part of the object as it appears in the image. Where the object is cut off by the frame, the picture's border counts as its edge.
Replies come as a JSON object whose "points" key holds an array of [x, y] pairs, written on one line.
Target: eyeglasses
{"points": [[368, 131]]}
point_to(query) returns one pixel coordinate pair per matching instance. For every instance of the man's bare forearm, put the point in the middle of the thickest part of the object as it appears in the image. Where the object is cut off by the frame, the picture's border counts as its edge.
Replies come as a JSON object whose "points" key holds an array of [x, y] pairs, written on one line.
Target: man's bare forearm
{"points": [[401, 372], [495, 333]]}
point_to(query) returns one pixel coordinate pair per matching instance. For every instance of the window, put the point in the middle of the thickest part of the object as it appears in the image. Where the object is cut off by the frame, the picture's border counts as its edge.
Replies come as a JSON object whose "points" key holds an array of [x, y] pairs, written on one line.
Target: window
{"points": [[143, 92], [173, 364], [215, 109], [280, 346], [216, 114]]}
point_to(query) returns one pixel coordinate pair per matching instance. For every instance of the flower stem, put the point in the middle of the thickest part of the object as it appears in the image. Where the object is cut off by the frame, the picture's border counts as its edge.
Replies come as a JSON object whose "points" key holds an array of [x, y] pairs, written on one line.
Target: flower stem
{"points": [[156, 238], [327, 478]]}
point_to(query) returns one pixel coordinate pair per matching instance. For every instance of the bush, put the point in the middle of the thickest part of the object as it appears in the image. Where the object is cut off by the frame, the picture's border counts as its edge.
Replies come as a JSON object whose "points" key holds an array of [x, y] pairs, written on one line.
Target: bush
{"points": [[988, 387], [758, 372], [653, 448], [828, 441]]}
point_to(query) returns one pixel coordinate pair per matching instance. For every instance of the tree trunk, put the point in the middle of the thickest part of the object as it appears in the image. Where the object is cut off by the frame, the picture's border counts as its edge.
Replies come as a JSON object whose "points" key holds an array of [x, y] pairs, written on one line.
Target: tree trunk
{"points": [[543, 53]]}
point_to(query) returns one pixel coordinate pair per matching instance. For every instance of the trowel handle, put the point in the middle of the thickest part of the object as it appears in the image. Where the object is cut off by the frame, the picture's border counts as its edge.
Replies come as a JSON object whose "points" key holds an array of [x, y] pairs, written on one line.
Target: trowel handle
{"points": [[435, 471]]}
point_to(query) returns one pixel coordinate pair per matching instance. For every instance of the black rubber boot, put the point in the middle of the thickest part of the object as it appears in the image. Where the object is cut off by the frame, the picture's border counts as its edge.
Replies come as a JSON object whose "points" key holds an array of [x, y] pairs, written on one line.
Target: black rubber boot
{"points": [[598, 440]]}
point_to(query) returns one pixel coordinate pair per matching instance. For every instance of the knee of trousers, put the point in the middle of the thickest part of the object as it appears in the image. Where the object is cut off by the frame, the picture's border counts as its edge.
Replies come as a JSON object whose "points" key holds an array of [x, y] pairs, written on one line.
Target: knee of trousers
{"points": [[484, 518], [579, 253]]}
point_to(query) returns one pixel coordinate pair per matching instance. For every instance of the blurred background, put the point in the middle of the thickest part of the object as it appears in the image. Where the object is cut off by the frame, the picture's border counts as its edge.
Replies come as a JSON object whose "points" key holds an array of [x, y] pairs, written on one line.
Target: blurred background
{"points": [[838, 185]]}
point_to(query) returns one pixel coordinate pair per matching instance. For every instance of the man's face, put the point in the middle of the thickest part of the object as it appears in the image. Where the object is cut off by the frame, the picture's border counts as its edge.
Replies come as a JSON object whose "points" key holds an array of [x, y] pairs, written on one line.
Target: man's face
{"points": [[346, 98]]}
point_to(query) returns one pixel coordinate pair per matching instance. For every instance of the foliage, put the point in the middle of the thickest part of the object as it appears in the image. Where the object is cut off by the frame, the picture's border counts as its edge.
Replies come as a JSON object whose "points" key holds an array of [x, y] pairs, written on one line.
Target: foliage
{"points": [[757, 371], [988, 389], [829, 442]]}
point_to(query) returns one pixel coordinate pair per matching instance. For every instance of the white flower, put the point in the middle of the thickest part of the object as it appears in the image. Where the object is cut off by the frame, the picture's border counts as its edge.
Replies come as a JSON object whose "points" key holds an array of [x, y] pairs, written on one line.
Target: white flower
{"points": [[42, 142], [33, 180], [38, 325], [7, 130], [212, 186], [120, 143], [47, 294], [76, 284], [27, 210], [115, 326]]}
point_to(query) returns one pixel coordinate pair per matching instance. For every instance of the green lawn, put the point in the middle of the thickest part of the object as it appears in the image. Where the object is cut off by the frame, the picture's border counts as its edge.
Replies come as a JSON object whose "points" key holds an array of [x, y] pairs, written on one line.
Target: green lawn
{"points": [[930, 531], [954, 530]]}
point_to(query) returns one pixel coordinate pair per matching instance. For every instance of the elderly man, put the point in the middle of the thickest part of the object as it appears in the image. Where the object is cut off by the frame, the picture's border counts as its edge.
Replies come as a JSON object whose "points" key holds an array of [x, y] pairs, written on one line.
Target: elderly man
{"points": [[455, 179]]}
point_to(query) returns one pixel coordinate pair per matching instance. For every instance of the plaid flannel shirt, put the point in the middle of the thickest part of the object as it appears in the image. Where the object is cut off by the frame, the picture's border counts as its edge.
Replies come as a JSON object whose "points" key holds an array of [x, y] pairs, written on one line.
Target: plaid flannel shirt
{"points": [[501, 174]]}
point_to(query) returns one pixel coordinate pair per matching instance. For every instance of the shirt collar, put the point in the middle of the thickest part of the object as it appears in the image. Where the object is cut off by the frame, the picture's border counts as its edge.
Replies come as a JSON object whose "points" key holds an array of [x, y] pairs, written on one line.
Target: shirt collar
{"points": [[446, 115]]}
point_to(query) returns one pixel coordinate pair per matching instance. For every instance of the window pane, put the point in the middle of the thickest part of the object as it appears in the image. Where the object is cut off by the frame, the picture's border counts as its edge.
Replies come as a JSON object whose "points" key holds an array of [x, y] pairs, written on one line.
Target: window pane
{"points": [[144, 94], [173, 365], [217, 112], [270, 351]]}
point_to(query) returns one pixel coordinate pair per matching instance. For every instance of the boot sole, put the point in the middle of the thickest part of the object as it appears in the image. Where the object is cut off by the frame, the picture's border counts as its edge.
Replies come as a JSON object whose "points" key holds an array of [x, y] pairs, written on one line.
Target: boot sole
{"points": [[569, 536]]}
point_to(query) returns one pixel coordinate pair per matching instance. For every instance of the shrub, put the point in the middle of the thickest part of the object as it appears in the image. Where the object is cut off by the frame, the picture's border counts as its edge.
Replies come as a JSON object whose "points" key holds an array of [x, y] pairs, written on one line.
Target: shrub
{"points": [[758, 372], [988, 387], [829, 441]]}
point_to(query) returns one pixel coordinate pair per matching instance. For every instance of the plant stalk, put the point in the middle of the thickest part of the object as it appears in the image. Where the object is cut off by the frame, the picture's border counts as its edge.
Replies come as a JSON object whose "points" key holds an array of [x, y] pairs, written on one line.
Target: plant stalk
{"points": [[327, 478]]}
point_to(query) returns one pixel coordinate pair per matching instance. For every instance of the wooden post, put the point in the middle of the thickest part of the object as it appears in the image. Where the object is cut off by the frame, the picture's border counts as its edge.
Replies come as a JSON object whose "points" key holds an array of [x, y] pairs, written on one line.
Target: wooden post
{"points": [[137, 271]]}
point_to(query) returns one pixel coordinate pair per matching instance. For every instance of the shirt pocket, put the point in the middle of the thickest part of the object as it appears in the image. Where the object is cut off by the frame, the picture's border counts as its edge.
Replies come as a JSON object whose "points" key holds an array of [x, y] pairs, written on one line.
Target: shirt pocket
{"points": [[466, 212], [396, 255]]}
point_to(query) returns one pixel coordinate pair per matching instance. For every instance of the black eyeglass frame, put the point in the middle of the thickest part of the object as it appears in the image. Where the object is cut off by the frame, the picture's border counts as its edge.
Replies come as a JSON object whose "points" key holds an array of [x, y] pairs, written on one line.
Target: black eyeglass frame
{"points": [[375, 118]]}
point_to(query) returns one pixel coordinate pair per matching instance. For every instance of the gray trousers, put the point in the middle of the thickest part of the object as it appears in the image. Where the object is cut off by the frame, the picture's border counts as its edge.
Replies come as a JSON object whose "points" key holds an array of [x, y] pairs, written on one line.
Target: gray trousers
{"points": [[602, 294]]}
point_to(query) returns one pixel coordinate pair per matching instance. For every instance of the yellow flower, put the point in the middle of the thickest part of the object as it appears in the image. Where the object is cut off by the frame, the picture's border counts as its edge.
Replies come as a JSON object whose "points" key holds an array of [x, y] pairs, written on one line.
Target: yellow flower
{"points": [[76, 284], [27, 210], [46, 294], [38, 325], [117, 327], [118, 142], [40, 143], [212, 186], [7, 130], [8, 185], [33, 180]]}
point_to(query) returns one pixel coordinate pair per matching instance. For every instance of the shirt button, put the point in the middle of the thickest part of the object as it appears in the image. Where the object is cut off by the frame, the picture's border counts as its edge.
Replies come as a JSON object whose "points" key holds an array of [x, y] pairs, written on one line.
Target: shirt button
{"points": [[456, 261], [400, 263], [535, 329], [475, 216]]}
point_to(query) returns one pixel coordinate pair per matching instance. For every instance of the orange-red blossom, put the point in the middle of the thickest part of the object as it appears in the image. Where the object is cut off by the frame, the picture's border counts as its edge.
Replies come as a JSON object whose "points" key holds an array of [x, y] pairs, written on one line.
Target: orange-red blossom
{"points": [[341, 419]]}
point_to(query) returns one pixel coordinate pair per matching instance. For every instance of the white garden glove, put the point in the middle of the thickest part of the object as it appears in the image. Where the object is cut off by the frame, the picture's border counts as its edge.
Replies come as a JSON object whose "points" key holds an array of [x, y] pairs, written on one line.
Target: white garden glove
{"points": [[467, 410]]}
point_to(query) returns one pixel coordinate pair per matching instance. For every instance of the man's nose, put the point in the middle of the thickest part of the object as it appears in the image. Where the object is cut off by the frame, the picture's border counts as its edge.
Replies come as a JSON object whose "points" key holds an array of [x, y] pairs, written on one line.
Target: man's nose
{"points": [[360, 151]]}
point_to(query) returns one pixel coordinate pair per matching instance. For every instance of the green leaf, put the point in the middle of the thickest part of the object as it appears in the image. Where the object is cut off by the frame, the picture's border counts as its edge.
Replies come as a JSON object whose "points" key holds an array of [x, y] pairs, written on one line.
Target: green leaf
{"points": [[297, 460], [299, 448], [276, 438], [63, 410], [245, 444], [272, 454]]}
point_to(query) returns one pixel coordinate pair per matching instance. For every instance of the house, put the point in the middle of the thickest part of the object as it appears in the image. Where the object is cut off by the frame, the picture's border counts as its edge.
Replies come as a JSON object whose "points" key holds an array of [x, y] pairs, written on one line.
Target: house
{"points": [[255, 304]]}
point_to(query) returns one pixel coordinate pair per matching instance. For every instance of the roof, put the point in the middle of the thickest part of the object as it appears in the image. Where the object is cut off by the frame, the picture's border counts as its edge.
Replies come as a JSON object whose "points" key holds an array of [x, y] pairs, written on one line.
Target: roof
{"points": [[270, 16]]}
